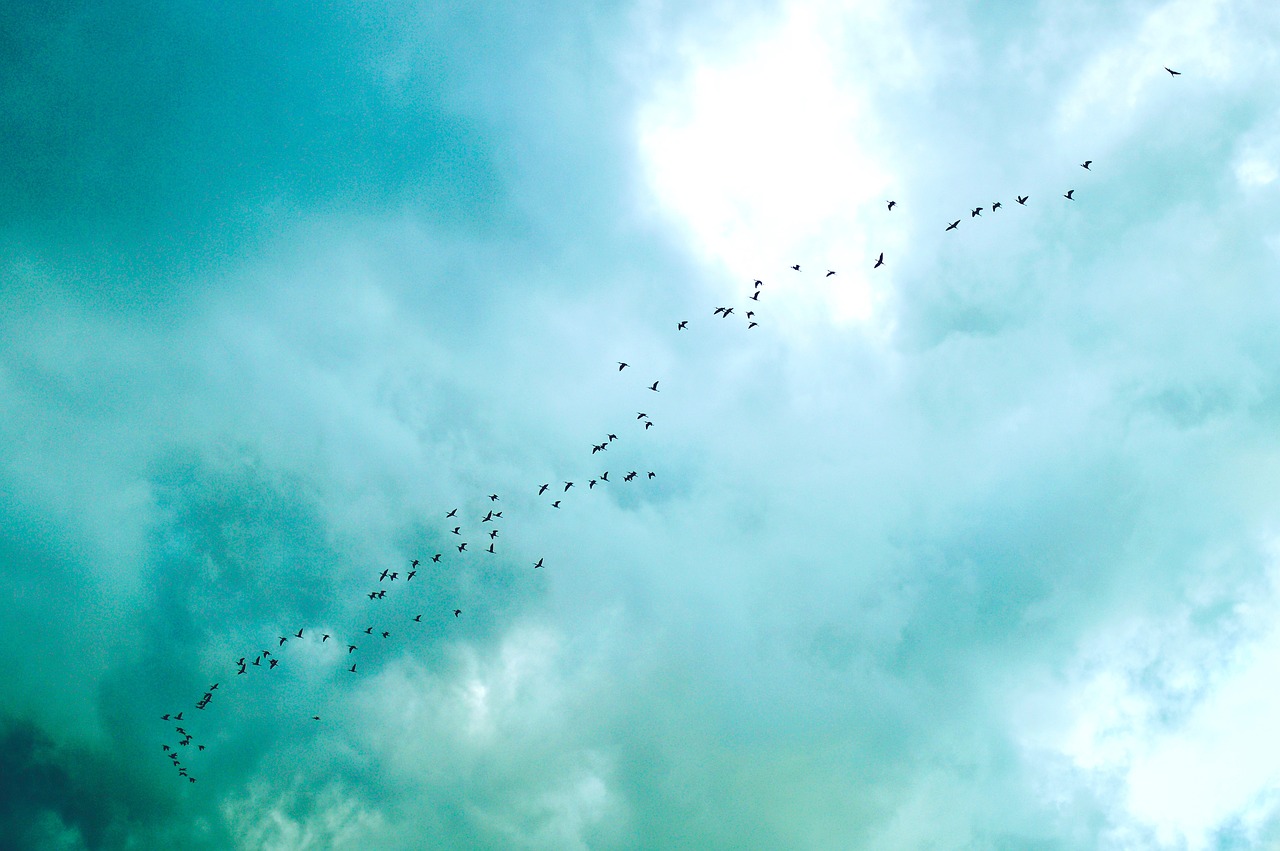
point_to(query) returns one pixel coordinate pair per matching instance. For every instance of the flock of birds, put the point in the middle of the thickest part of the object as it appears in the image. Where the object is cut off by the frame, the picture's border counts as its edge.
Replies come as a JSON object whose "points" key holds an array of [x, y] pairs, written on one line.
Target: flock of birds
{"points": [[264, 660]]}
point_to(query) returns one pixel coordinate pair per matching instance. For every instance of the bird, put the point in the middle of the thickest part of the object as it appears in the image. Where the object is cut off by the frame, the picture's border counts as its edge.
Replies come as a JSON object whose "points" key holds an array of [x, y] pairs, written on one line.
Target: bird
{"points": [[543, 489], [417, 619], [604, 477], [996, 206], [612, 437], [453, 513], [368, 630], [274, 662], [751, 325], [372, 595], [1022, 199], [413, 563], [283, 639], [954, 225], [555, 504], [750, 313], [829, 274], [654, 385], [493, 497], [386, 635], [456, 530], [759, 284], [385, 572], [718, 311], [640, 415], [1172, 73], [724, 315], [1085, 164], [212, 687], [412, 574], [324, 637], [493, 534], [755, 296], [487, 517], [879, 261], [298, 633], [462, 546], [538, 563], [648, 425], [352, 668], [891, 204], [652, 474], [681, 325], [435, 557], [567, 485], [315, 717], [622, 366], [350, 648], [591, 484], [490, 550], [976, 211], [796, 267], [1068, 195]]}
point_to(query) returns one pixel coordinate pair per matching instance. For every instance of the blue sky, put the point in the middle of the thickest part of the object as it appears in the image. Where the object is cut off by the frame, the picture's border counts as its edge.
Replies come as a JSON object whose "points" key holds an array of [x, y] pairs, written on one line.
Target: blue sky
{"points": [[975, 550]]}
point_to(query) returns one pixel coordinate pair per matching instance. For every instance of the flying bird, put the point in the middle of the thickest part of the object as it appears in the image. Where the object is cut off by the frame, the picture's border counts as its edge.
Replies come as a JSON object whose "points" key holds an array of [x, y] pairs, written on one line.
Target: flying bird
{"points": [[759, 284], [796, 267], [654, 385], [954, 225], [591, 484], [462, 546], [413, 563], [622, 366], [996, 206], [457, 612], [829, 274], [324, 637], [385, 572], [976, 211], [879, 261], [453, 513], [652, 474], [724, 315], [351, 647], [555, 504], [567, 485], [751, 325], [543, 489], [412, 574], [417, 619], [640, 415], [436, 557], [1022, 199], [493, 497], [755, 296], [680, 326], [1085, 164], [1172, 73], [352, 668], [1070, 192], [538, 563], [892, 204], [455, 530]]}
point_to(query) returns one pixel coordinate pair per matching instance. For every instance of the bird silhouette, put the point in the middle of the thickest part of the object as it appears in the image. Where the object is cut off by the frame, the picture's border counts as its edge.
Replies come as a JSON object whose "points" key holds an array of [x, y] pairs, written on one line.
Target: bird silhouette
{"points": [[457, 612], [538, 563], [352, 668], [796, 267], [622, 366], [1022, 199], [324, 637], [681, 325], [385, 572], [640, 415], [879, 261], [649, 424], [567, 485], [490, 550], [1070, 192], [976, 211], [1085, 164], [759, 284], [456, 530], [755, 296], [417, 619], [543, 489], [996, 206], [350, 648], [462, 546], [1172, 73], [751, 325], [604, 477], [493, 497], [829, 274], [436, 557], [654, 385], [555, 504], [453, 513], [954, 225], [892, 204]]}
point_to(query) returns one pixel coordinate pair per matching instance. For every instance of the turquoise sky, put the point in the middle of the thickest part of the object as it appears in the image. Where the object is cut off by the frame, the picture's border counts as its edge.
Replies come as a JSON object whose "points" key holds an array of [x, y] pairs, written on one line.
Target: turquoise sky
{"points": [[976, 550]]}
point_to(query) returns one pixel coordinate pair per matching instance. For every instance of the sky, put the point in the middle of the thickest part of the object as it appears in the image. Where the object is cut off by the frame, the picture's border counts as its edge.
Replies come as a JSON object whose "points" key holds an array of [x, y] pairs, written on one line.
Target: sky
{"points": [[979, 549]]}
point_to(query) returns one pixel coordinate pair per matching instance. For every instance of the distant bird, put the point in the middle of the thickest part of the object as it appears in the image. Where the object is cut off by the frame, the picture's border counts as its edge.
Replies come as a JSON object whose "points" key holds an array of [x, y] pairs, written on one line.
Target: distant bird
{"points": [[640, 415], [755, 296], [829, 274], [462, 546], [372, 596], [796, 267], [750, 313], [412, 574], [612, 437], [275, 662], [543, 489], [1085, 164], [351, 647], [538, 563], [567, 485], [386, 635], [385, 572], [1070, 192], [1022, 199], [165, 717], [490, 550], [996, 206], [493, 497], [435, 557], [954, 225], [283, 639], [892, 204], [456, 530], [976, 211], [724, 315], [457, 612], [718, 311], [212, 687], [555, 504], [298, 633], [315, 717], [324, 637], [1172, 73], [879, 261], [417, 619], [493, 534], [413, 563], [652, 474], [352, 668], [591, 484], [654, 385], [622, 366], [680, 326], [451, 514], [368, 630], [604, 477], [751, 325], [487, 517], [759, 284], [648, 425], [199, 747]]}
